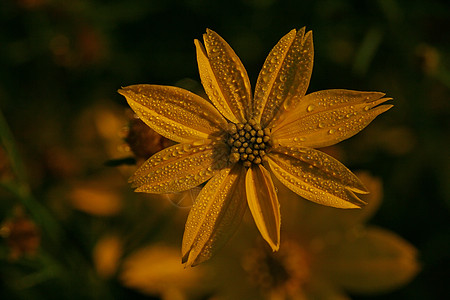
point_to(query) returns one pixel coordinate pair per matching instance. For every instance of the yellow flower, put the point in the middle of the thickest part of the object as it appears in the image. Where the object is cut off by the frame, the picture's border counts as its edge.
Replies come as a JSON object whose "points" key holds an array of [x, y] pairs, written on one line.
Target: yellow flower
{"points": [[234, 139], [153, 270], [325, 254]]}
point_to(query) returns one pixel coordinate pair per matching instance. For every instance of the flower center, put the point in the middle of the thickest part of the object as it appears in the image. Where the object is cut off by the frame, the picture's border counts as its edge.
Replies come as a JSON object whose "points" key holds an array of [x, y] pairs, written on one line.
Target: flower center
{"points": [[249, 142], [282, 272]]}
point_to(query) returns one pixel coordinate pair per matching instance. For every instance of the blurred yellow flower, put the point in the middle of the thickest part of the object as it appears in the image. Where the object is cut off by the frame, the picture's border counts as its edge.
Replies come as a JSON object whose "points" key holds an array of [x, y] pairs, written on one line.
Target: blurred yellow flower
{"points": [[325, 254], [98, 196], [155, 270], [107, 254], [234, 139]]}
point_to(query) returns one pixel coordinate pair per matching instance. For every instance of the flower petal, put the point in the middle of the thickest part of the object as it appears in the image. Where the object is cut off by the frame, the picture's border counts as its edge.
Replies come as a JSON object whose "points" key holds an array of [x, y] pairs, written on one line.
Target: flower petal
{"points": [[174, 112], [263, 203], [324, 290], [334, 219], [224, 77], [371, 261], [215, 215], [316, 176], [180, 167], [327, 117], [155, 270], [284, 77]]}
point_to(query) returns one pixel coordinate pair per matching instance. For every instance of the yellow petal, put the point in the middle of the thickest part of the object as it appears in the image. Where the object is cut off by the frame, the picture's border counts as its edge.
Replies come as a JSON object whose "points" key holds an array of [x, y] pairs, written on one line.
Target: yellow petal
{"points": [[316, 176], [263, 203], [180, 167], [106, 255], [338, 219], [155, 270], [224, 77], [215, 215], [373, 261], [100, 200], [324, 290], [284, 77], [327, 117], [174, 112]]}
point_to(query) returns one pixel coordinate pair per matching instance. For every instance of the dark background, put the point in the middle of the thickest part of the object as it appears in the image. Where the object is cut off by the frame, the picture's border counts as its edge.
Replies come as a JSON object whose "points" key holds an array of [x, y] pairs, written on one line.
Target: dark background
{"points": [[58, 58]]}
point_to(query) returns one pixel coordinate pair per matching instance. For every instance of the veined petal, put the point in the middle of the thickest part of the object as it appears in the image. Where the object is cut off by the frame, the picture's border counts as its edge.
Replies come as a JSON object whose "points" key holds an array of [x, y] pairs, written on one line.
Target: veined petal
{"points": [[316, 176], [374, 260], [180, 167], [263, 203], [327, 117], [215, 215], [284, 77], [174, 112], [224, 77]]}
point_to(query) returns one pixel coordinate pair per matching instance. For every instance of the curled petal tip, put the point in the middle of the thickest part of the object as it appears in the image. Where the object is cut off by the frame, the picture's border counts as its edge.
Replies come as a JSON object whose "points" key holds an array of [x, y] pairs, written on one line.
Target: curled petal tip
{"points": [[275, 247], [374, 96], [365, 191], [363, 204], [184, 259], [209, 32], [360, 204], [187, 260], [359, 187], [383, 108]]}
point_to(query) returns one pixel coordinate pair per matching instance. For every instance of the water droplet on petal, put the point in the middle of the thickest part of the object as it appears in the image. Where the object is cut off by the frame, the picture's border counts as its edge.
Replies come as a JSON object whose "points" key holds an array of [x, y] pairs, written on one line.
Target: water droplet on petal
{"points": [[331, 131], [310, 108]]}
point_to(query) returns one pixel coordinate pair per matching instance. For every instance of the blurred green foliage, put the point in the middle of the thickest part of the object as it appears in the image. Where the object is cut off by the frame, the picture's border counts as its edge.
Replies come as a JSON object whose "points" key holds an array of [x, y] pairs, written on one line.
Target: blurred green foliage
{"points": [[60, 58]]}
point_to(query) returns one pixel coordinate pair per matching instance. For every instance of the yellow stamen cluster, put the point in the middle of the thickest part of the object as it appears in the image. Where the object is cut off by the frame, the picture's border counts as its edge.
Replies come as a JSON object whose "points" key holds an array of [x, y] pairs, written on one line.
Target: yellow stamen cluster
{"points": [[249, 142]]}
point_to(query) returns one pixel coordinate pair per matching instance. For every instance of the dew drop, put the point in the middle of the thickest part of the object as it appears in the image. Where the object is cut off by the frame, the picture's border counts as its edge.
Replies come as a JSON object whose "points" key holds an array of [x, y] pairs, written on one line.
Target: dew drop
{"points": [[331, 131], [310, 108]]}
